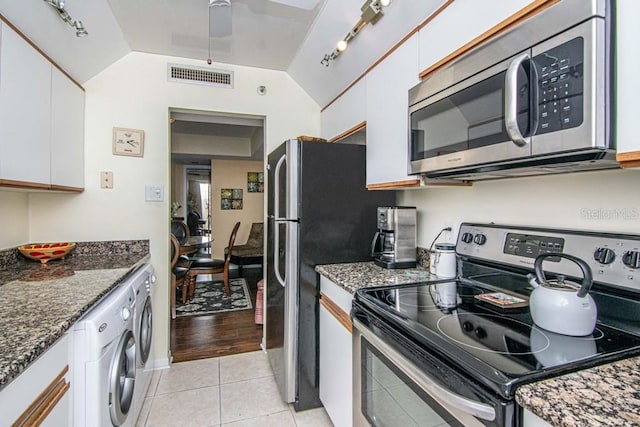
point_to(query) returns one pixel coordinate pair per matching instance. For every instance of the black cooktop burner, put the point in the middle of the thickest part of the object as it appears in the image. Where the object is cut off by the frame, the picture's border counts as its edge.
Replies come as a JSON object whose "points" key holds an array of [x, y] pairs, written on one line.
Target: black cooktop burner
{"points": [[501, 345]]}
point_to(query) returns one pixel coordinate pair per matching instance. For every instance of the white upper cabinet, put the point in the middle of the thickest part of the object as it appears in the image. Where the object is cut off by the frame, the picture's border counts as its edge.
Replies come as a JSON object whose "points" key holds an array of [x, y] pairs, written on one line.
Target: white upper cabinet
{"points": [[41, 120], [460, 23], [628, 87], [25, 111], [388, 85], [347, 112], [67, 132]]}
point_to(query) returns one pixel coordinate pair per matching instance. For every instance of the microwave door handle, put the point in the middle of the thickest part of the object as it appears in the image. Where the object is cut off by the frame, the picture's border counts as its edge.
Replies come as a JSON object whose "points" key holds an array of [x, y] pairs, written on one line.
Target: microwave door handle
{"points": [[511, 101]]}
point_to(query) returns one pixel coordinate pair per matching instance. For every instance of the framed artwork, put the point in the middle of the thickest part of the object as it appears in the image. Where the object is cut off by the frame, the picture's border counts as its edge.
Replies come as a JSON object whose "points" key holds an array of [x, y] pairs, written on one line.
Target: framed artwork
{"points": [[230, 198], [128, 142], [255, 182]]}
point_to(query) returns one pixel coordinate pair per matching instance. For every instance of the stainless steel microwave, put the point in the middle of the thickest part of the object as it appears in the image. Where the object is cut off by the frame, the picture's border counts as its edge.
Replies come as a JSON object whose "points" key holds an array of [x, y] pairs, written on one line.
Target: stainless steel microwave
{"points": [[537, 99]]}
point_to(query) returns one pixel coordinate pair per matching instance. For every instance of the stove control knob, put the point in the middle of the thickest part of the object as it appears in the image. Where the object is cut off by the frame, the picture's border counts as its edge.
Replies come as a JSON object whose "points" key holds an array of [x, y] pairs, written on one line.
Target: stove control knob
{"points": [[467, 326], [126, 313], [480, 332], [467, 237], [604, 255], [480, 239], [631, 259]]}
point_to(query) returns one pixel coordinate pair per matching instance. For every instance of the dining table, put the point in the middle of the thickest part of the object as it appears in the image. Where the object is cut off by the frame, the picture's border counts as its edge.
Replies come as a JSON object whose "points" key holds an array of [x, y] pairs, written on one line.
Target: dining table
{"points": [[191, 244]]}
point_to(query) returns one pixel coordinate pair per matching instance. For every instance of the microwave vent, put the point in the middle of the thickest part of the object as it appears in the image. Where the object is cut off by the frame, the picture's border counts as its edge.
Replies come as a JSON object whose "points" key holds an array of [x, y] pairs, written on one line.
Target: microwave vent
{"points": [[200, 76]]}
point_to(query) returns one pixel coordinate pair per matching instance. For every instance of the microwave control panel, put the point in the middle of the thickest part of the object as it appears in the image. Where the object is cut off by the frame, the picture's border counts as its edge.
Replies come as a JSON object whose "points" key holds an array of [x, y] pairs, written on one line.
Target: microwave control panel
{"points": [[560, 87]]}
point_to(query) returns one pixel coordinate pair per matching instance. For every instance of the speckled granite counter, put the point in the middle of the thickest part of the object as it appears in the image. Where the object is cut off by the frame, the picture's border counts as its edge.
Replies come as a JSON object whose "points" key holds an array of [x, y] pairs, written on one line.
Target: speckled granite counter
{"points": [[39, 302], [607, 395], [356, 275]]}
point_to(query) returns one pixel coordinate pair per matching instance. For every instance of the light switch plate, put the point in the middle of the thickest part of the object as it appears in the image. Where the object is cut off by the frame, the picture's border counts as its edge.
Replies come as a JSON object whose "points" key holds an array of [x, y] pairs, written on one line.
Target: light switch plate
{"points": [[154, 193], [106, 179]]}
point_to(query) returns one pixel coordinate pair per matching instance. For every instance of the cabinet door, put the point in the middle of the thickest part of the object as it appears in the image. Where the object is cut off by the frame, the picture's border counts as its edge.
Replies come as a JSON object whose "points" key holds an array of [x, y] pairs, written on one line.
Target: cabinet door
{"points": [[25, 111], [336, 385], [345, 113], [67, 132], [25, 393], [387, 111], [627, 64]]}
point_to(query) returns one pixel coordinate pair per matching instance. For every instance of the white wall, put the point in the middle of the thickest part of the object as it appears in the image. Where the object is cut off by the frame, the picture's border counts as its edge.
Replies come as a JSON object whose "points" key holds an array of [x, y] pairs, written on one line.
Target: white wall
{"points": [[604, 201], [134, 93], [14, 217]]}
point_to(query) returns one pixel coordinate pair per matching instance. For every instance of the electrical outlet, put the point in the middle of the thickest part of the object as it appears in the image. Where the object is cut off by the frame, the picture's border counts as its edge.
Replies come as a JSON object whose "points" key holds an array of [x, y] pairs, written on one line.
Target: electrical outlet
{"points": [[448, 235], [106, 179]]}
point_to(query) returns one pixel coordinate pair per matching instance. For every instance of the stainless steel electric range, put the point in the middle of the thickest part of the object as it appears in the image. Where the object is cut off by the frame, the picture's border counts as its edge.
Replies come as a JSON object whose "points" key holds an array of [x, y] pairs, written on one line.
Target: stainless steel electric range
{"points": [[444, 353]]}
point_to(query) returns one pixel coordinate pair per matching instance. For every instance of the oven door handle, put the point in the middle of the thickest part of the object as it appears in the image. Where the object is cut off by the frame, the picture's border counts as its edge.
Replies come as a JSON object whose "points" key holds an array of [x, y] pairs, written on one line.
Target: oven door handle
{"points": [[426, 382], [511, 101]]}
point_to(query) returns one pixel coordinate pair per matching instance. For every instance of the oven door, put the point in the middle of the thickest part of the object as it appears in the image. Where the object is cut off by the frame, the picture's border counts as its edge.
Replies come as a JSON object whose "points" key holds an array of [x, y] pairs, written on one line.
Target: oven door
{"points": [[390, 390]]}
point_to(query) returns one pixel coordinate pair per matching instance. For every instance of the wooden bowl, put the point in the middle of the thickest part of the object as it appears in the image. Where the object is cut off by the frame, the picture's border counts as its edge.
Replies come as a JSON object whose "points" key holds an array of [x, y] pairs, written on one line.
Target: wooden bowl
{"points": [[44, 252]]}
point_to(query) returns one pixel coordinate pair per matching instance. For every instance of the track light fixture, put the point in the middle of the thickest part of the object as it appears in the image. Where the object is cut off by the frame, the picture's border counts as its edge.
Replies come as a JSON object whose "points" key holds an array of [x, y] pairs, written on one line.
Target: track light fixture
{"points": [[371, 13], [58, 5]]}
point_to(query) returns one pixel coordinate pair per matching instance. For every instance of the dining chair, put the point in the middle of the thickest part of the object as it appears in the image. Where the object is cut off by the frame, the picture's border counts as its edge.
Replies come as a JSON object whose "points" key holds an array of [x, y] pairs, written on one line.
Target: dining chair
{"points": [[179, 275], [180, 230], [212, 266]]}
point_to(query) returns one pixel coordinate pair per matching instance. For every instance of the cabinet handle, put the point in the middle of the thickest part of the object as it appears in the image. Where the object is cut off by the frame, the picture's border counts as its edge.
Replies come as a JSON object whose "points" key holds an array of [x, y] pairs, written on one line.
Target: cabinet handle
{"points": [[38, 411], [334, 309]]}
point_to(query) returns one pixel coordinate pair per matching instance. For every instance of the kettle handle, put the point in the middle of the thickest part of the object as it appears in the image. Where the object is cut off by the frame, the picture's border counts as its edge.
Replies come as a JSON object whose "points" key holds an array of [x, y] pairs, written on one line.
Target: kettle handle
{"points": [[587, 280]]}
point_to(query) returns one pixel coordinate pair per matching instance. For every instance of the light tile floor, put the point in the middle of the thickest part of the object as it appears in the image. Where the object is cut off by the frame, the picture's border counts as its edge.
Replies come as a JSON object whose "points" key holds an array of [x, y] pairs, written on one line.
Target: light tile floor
{"points": [[237, 391]]}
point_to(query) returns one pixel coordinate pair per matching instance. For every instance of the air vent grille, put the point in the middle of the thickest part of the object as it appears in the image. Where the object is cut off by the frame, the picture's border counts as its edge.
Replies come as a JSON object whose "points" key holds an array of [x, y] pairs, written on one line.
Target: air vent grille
{"points": [[200, 76]]}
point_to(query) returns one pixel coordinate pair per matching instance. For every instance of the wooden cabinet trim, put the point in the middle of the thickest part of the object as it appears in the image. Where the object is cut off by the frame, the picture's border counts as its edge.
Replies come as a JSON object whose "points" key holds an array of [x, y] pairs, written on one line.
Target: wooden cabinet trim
{"points": [[66, 188], [393, 185], [629, 159], [40, 51], [357, 128], [391, 50], [25, 185], [522, 15], [42, 406], [336, 312]]}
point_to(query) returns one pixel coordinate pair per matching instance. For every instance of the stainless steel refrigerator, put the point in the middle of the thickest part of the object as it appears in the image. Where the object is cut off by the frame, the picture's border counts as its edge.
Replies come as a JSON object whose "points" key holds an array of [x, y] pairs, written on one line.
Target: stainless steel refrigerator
{"points": [[319, 212]]}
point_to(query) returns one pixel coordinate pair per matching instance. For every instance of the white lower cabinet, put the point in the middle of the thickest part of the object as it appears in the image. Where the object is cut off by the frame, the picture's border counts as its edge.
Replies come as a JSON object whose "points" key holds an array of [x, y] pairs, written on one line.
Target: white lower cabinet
{"points": [[336, 379], [532, 420], [41, 395]]}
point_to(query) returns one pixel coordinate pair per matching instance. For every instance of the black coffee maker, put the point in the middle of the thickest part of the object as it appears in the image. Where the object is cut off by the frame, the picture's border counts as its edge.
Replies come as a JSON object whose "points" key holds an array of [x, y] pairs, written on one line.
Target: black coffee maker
{"points": [[394, 244]]}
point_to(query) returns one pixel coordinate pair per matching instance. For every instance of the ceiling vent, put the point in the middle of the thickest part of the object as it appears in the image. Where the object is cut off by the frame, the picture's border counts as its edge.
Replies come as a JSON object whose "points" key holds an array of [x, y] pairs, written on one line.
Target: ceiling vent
{"points": [[200, 76]]}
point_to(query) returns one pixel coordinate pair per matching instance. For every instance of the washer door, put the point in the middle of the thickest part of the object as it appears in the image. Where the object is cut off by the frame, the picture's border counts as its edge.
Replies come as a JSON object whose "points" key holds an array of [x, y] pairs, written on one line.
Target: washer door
{"points": [[145, 330], [122, 378]]}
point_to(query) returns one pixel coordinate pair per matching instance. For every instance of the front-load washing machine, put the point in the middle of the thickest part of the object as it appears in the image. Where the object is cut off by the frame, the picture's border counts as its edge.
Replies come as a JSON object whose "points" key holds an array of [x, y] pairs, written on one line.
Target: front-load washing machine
{"points": [[105, 361], [142, 329]]}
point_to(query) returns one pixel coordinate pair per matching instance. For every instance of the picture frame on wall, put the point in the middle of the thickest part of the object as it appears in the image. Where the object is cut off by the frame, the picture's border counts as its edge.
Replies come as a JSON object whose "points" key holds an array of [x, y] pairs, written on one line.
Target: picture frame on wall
{"points": [[230, 198], [128, 142], [255, 182]]}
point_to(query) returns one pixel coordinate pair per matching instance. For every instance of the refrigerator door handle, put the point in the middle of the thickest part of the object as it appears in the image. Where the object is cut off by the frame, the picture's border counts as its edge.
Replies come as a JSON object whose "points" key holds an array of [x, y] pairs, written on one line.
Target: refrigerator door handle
{"points": [[276, 189], [276, 253]]}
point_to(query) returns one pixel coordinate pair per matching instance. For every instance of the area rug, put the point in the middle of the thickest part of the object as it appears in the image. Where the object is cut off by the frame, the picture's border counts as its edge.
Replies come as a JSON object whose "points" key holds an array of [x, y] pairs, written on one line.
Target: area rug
{"points": [[210, 298]]}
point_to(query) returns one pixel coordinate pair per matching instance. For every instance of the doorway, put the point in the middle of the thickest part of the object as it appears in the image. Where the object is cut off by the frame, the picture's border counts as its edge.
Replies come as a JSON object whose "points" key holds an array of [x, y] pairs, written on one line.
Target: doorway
{"points": [[210, 153]]}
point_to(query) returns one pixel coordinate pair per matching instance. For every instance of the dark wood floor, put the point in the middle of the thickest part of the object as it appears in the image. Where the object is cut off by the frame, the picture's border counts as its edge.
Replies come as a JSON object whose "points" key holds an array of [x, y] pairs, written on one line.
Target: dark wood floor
{"points": [[222, 334]]}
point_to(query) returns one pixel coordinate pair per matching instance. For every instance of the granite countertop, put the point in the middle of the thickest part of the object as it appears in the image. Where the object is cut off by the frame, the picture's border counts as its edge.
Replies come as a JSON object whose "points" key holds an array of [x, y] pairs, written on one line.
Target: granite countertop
{"points": [[40, 302], [356, 275], [604, 395]]}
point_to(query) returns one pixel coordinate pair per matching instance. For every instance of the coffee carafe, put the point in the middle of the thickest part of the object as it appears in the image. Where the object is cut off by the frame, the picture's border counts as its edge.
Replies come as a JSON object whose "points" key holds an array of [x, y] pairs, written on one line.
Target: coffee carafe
{"points": [[394, 244]]}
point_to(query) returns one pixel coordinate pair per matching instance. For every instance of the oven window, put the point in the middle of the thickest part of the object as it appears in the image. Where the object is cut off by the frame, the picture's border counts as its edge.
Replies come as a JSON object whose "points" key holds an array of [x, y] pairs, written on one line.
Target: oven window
{"points": [[390, 398], [470, 118]]}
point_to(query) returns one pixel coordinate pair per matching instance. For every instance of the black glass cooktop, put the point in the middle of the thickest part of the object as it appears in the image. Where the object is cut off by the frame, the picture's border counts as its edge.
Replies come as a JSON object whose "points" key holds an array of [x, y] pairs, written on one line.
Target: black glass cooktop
{"points": [[500, 347]]}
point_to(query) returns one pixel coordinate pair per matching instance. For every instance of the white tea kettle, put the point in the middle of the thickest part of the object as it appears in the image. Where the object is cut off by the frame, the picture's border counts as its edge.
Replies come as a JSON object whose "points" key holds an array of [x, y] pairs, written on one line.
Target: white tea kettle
{"points": [[559, 306]]}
